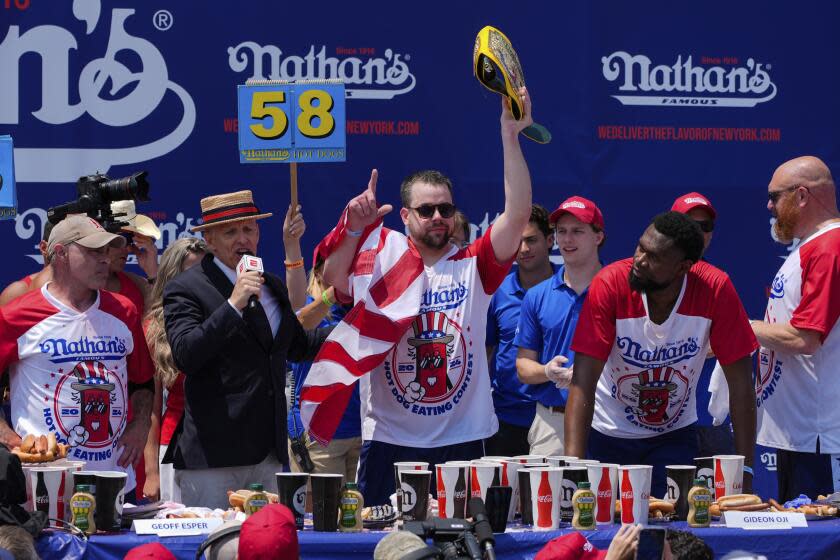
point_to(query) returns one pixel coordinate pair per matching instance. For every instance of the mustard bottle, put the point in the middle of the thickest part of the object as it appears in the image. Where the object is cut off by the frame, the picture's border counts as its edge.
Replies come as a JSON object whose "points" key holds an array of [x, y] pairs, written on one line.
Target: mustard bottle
{"points": [[351, 504], [82, 508], [256, 501], [583, 504], [699, 503]]}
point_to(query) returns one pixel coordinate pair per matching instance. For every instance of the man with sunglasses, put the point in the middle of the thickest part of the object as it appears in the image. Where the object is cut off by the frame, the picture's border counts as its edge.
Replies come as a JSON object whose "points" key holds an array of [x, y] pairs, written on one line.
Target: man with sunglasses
{"points": [[797, 388], [429, 399], [711, 439]]}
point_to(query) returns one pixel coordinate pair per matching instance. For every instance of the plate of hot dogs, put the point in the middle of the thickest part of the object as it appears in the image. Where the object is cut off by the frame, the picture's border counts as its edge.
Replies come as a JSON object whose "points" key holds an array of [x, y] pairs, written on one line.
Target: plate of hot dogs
{"points": [[40, 449], [813, 512]]}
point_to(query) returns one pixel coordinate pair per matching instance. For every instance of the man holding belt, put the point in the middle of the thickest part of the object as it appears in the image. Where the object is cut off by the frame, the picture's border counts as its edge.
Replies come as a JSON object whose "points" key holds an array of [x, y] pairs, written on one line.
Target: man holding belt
{"points": [[646, 324], [796, 383], [233, 356]]}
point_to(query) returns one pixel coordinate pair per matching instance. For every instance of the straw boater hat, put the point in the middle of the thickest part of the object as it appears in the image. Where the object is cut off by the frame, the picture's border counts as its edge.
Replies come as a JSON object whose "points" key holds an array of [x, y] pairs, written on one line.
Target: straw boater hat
{"points": [[228, 208]]}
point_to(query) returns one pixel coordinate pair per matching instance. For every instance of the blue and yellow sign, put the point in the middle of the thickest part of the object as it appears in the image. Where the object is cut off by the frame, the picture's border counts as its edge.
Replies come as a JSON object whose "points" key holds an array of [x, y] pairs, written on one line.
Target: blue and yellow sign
{"points": [[284, 123], [8, 192]]}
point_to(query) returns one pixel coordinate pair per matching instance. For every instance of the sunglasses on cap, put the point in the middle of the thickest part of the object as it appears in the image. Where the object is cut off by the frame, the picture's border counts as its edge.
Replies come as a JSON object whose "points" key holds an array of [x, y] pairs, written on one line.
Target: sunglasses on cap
{"points": [[706, 226], [445, 209]]}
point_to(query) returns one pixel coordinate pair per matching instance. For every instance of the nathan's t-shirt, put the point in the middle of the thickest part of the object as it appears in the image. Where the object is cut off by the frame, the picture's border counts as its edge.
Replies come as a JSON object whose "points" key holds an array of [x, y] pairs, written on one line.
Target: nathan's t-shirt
{"points": [[69, 371], [650, 377], [797, 395], [433, 388]]}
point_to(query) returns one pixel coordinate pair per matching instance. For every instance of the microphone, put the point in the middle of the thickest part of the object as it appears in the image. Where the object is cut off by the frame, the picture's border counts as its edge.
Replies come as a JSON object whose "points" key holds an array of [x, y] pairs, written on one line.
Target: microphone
{"points": [[247, 263], [402, 545], [481, 527]]}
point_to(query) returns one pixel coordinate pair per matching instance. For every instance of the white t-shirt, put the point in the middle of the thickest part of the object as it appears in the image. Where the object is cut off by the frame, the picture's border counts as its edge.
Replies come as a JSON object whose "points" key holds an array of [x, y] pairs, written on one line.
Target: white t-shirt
{"points": [[69, 371], [649, 381], [797, 396], [433, 388]]}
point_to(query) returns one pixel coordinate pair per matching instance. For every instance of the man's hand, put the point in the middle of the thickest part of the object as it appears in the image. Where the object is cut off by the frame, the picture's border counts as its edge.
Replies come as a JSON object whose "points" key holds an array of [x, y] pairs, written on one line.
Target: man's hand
{"points": [[8, 436], [133, 441], [247, 284], [362, 210], [151, 488], [557, 374], [624, 543], [146, 252], [510, 124], [293, 226]]}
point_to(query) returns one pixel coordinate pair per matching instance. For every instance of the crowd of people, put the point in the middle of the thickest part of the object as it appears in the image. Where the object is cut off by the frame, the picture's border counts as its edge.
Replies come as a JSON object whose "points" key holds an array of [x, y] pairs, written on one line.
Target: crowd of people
{"points": [[425, 346]]}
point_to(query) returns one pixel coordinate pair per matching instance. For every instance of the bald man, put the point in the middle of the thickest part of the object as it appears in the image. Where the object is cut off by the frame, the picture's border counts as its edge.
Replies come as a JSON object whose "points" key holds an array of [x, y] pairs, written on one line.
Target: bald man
{"points": [[797, 383]]}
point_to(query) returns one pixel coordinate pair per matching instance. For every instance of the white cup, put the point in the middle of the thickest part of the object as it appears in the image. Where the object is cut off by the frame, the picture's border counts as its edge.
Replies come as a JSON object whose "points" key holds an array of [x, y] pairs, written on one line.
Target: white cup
{"points": [[546, 488], [529, 458], [729, 475], [510, 477], [452, 500], [559, 460], [484, 474], [603, 480], [634, 489]]}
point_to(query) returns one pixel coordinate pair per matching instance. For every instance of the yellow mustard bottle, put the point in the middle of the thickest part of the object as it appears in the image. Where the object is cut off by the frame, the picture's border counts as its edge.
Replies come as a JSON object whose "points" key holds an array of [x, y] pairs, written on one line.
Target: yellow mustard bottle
{"points": [[256, 501], [351, 504], [699, 504], [583, 504], [82, 508]]}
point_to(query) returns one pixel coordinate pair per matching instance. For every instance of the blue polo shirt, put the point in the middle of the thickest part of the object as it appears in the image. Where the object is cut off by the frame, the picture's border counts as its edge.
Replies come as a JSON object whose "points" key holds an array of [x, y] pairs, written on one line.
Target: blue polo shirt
{"points": [[547, 324], [511, 400]]}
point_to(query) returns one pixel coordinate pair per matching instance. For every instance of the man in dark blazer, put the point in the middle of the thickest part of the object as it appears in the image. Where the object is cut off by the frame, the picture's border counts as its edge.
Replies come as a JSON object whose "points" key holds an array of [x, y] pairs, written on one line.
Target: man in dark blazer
{"points": [[233, 432]]}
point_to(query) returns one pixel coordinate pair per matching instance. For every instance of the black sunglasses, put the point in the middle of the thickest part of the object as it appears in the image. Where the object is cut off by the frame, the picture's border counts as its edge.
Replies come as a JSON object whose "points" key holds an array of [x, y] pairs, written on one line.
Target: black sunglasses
{"points": [[774, 196], [445, 209], [706, 226]]}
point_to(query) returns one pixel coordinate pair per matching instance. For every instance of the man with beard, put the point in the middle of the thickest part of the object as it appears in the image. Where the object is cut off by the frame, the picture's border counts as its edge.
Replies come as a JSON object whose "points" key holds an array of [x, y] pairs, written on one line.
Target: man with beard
{"points": [[416, 338], [548, 318], [646, 324], [515, 408], [796, 384]]}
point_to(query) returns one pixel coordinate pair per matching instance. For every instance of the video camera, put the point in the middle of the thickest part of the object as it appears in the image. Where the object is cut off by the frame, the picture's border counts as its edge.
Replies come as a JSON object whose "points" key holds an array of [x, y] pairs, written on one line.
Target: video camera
{"points": [[457, 539], [97, 192]]}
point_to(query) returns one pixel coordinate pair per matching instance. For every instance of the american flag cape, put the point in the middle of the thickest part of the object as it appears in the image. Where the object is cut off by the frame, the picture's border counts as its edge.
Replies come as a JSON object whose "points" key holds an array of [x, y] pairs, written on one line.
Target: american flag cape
{"points": [[387, 282]]}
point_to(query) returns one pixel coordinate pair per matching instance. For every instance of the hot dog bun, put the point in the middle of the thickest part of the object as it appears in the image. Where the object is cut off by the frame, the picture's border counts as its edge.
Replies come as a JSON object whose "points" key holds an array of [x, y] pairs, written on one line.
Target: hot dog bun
{"points": [[738, 500]]}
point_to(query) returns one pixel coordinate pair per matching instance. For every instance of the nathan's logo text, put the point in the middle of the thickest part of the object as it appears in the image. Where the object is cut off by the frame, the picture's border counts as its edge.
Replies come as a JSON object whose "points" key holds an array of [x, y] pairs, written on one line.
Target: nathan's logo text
{"points": [[740, 86], [448, 297], [667, 354], [108, 91], [103, 348], [377, 77]]}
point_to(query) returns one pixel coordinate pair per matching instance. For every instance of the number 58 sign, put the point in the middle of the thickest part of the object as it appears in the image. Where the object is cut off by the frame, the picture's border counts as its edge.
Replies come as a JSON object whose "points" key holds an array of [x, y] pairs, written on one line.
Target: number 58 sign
{"points": [[283, 123]]}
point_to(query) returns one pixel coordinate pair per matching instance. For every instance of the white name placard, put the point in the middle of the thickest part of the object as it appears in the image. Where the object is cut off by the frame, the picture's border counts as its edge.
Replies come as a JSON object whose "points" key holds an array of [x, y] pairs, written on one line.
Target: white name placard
{"points": [[762, 520], [175, 527]]}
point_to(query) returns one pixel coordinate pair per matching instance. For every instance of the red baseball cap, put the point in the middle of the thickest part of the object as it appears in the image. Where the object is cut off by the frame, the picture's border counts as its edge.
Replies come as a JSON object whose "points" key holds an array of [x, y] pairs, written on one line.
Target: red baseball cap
{"points": [[693, 200], [573, 546], [151, 550], [269, 533], [581, 208]]}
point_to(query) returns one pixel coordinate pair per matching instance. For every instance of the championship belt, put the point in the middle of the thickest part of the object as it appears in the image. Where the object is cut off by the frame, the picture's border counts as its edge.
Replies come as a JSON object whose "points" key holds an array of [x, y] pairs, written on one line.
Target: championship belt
{"points": [[497, 67]]}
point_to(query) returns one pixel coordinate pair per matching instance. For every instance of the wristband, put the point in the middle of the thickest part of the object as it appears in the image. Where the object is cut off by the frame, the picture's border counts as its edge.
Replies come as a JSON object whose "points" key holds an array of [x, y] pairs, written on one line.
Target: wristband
{"points": [[294, 264], [353, 233], [326, 299], [748, 470]]}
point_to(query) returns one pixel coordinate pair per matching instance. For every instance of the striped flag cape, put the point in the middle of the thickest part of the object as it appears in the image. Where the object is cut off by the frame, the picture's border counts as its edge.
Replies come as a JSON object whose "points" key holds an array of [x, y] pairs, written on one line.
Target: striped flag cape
{"points": [[387, 282]]}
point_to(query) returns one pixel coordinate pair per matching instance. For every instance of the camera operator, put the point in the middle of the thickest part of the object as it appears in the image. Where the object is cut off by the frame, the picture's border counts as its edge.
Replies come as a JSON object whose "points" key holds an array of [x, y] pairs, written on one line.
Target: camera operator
{"points": [[140, 234]]}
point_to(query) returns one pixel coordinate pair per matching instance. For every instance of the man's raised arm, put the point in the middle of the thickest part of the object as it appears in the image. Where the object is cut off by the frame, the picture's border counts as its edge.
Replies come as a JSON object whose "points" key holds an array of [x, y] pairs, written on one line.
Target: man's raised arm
{"points": [[362, 211], [507, 229]]}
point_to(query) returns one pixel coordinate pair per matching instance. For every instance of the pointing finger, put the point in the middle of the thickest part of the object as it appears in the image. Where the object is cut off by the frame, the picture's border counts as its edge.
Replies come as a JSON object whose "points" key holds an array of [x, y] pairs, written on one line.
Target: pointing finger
{"points": [[374, 177]]}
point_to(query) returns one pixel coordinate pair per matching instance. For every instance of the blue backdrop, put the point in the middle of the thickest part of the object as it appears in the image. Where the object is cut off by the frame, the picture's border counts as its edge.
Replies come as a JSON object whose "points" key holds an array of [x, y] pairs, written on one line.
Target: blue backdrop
{"points": [[645, 102]]}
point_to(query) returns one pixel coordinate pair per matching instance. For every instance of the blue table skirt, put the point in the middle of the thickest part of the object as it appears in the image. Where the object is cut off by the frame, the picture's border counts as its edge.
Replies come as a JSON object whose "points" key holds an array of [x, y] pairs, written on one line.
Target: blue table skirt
{"points": [[821, 540]]}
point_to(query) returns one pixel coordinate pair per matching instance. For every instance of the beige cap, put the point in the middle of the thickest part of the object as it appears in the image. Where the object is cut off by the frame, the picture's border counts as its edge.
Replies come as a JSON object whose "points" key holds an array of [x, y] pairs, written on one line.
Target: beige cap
{"points": [[81, 229], [137, 223]]}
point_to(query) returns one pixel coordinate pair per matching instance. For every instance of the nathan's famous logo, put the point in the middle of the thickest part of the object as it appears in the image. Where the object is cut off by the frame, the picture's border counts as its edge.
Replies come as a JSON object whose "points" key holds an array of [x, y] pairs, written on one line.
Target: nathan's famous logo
{"points": [[89, 406], [60, 350], [767, 375], [436, 371], [30, 224], [374, 78], [684, 84], [667, 354], [108, 91], [654, 398], [443, 298]]}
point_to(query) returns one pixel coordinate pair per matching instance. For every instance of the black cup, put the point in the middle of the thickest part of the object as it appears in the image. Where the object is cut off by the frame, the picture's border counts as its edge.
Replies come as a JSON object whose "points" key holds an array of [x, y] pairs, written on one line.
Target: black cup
{"points": [[706, 471], [679, 479], [326, 490], [415, 494], [110, 494], [497, 504], [525, 496], [568, 487], [291, 492]]}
